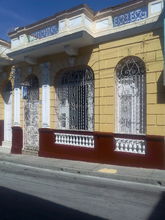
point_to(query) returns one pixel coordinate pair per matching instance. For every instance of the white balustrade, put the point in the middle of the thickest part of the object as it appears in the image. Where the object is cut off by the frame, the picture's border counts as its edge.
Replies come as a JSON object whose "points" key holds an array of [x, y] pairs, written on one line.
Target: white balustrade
{"points": [[130, 145], [74, 140]]}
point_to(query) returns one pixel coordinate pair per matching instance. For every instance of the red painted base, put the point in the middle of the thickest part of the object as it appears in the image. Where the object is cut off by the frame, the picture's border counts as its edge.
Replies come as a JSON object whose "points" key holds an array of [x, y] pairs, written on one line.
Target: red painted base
{"points": [[17, 140], [104, 150]]}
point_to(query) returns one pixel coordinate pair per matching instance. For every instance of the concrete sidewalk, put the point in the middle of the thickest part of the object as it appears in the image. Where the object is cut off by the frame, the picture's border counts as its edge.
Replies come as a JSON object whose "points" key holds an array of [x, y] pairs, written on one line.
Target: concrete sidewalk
{"points": [[139, 175]]}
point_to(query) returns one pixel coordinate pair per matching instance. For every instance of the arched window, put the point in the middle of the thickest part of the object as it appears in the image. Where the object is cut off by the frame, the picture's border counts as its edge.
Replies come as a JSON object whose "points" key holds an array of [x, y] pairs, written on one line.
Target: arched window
{"points": [[131, 99], [74, 99]]}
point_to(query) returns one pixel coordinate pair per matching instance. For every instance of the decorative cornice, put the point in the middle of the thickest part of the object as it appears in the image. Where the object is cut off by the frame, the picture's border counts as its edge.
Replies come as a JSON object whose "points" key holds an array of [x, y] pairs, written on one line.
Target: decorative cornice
{"points": [[121, 8]]}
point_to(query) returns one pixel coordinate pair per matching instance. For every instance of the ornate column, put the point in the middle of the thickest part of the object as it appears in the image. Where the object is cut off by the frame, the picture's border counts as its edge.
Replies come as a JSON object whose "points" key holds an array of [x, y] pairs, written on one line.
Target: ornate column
{"points": [[45, 73], [17, 95]]}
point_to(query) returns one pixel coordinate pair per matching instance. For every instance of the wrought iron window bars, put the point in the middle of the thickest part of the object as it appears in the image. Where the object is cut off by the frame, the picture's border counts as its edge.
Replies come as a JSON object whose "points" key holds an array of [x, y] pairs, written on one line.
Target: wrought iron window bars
{"points": [[74, 100]]}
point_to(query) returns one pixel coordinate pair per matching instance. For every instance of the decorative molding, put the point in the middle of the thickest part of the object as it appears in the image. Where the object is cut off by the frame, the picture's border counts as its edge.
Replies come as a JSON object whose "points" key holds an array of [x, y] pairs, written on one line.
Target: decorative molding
{"points": [[74, 140], [44, 32], [131, 16], [130, 146], [12, 73]]}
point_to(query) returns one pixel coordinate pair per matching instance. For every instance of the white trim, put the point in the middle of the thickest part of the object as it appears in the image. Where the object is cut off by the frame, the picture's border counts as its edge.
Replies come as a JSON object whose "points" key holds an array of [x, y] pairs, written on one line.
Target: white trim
{"points": [[45, 71], [155, 7], [75, 21], [17, 96], [17, 106], [104, 23], [45, 106], [130, 146], [74, 140], [8, 120]]}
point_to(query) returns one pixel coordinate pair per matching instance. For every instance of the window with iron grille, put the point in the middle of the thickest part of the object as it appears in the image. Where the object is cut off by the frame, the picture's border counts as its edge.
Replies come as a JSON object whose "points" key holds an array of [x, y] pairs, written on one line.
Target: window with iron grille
{"points": [[75, 100], [131, 99]]}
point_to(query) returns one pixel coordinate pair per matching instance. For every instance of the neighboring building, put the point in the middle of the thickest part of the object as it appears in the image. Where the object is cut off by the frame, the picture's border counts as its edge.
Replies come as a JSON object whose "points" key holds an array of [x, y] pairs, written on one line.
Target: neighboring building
{"points": [[5, 95], [88, 86]]}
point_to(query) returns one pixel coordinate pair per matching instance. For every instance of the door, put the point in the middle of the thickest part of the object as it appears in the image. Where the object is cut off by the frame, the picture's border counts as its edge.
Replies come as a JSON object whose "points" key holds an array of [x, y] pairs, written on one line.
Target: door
{"points": [[31, 115]]}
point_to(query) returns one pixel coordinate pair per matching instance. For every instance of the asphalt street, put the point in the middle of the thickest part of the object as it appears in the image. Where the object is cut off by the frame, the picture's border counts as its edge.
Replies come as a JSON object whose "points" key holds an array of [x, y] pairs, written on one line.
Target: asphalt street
{"points": [[36, 193]]}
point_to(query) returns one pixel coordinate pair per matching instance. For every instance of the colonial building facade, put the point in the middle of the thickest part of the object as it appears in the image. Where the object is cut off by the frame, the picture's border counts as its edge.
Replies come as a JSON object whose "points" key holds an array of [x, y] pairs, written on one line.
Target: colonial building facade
{"points": [[87, 85]]}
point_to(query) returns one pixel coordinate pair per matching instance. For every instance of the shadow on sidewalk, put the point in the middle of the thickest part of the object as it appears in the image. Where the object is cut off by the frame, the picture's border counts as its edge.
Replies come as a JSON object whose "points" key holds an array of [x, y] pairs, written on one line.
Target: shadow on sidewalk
{"points": [[159, 211], [19, 206]]}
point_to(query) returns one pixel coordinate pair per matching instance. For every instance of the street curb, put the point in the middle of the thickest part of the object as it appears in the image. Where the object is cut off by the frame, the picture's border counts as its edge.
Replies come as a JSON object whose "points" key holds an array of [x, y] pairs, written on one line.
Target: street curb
{"points": [[135, 179]]}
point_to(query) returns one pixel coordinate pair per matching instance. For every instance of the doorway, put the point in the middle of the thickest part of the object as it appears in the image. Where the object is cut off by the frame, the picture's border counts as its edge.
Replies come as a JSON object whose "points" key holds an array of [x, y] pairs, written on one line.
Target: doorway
{"points": [[31, 114]]}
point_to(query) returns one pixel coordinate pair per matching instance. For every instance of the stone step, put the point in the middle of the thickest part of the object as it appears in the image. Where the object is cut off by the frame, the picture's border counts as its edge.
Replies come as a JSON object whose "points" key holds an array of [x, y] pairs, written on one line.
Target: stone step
{"points": [[30, 152], [6, 144], [5, 149]]}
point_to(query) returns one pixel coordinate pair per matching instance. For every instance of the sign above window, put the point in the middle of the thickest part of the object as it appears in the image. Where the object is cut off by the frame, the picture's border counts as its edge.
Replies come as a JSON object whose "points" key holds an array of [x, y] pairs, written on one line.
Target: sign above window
{"points": [[131, 16]]}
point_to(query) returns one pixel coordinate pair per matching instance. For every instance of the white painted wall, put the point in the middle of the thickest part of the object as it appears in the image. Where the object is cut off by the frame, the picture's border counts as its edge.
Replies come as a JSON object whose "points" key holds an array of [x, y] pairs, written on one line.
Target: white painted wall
{"points": [[74, 22], [155, 7], [102, 24]]}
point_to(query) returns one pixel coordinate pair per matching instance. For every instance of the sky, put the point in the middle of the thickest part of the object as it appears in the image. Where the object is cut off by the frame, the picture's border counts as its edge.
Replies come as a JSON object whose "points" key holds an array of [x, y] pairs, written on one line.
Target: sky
{"points": [[18, 13]]}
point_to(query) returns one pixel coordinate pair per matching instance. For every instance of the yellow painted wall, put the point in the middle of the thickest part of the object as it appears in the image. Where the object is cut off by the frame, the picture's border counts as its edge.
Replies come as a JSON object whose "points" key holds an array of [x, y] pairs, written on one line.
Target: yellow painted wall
{"points": [[148, 47], [4, 77], [103, 59]]}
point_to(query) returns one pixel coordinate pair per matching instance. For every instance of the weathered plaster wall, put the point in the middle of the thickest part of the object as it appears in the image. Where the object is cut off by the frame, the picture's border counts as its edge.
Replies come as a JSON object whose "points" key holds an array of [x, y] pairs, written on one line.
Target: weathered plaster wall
{"points": [[103, 59], [149, 48]]}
